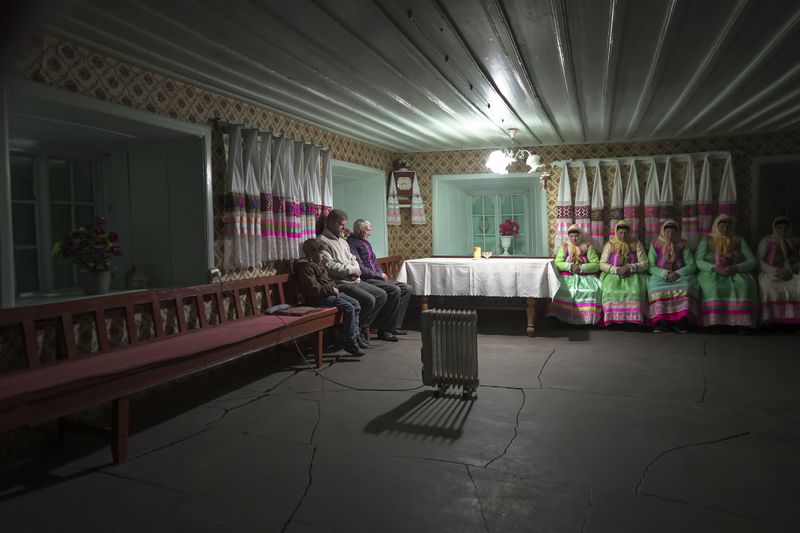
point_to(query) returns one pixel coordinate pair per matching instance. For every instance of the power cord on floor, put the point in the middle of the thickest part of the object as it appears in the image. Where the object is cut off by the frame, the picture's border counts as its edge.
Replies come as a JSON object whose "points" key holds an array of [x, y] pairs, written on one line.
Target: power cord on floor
{"points": [[326, 378]]}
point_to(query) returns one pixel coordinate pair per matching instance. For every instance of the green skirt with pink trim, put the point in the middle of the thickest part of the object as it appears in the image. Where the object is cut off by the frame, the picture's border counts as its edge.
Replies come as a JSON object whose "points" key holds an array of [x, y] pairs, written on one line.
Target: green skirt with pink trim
{"points": [[577, 300], [624, 298], [727, 300], [672, 301]]}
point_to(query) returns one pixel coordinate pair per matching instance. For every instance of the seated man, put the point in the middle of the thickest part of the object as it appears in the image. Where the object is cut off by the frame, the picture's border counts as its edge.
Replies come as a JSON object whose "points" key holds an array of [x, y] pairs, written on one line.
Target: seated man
{"points": [[320, 291], [397, 293], [342, 267]]}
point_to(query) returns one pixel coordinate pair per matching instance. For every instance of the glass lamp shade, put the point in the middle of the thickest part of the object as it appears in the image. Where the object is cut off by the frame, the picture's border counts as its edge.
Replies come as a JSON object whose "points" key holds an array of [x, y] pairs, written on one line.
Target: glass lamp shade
{"points": [[534, 162], [499, 161]]}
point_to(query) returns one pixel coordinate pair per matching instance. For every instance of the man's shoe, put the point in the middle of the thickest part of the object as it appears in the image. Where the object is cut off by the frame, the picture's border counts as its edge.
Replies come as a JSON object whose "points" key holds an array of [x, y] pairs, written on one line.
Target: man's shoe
{"points": [[362, 341], [353, 349], [396, 331], [386, 336]]}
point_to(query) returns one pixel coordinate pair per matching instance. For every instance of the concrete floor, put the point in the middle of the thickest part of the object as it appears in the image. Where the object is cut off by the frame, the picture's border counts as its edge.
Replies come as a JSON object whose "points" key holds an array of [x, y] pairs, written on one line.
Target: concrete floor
{"points": [[575, 430]]}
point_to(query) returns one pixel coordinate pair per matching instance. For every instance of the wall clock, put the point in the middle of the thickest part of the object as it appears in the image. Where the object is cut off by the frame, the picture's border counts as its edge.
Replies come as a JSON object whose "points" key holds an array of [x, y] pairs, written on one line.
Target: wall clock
{"points": [[404, 180]]}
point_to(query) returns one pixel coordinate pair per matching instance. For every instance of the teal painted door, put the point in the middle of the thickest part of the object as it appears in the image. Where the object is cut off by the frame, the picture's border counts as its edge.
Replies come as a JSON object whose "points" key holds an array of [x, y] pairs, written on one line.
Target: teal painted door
{"points": [[361, 192]]}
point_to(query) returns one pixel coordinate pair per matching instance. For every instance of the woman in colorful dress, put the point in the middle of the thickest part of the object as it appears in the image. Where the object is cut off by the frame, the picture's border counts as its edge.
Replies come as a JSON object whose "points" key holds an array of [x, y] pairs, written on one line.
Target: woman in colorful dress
{"points": [[779, 257], [672, 285], [623, 281], [578, 298], [727, 289]]}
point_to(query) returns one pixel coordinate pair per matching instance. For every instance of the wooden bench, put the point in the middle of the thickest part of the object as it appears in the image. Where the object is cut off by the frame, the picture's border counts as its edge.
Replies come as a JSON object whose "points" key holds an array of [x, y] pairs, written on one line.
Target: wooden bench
{"points": [[391, 265], [77, 354]]}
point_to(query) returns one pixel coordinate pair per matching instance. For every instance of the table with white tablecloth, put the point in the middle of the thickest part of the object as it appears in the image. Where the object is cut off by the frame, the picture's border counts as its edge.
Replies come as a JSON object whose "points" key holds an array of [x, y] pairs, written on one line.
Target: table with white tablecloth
{"points": [[528, 278]]}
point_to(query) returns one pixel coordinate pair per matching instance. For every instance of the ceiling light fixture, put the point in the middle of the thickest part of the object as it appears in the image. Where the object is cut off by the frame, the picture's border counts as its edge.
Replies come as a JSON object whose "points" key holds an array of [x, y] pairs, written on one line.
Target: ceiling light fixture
{"points": [[499, 160]]}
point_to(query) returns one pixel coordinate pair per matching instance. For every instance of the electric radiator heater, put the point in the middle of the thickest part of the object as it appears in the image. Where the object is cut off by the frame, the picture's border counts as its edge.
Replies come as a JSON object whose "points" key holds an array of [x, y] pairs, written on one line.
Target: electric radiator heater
{"points": [[450, 349]]}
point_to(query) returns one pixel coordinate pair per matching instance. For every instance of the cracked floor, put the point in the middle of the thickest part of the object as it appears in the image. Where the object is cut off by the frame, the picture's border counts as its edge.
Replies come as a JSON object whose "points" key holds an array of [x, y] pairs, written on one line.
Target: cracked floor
{"points": [[575, 430]]}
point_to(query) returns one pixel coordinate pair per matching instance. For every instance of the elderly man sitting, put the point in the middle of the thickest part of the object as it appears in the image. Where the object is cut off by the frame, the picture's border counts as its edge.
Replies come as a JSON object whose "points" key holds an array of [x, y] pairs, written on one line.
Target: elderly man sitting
{"points": [[343, 269], [398, 294]]}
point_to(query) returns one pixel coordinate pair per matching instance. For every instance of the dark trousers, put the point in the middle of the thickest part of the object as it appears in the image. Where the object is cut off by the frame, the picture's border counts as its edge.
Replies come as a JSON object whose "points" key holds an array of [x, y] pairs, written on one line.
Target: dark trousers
{"points": [[372, 301], [398, 294]]}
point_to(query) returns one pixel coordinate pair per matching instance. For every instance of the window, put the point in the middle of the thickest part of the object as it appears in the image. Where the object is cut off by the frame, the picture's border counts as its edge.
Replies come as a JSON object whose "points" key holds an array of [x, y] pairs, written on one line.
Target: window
{"points": [[489, 211], [49, 197], [469, 208]]}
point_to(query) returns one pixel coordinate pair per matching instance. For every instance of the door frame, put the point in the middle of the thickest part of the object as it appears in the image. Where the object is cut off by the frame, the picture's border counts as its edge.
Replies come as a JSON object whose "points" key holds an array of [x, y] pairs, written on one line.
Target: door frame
{"points": [[756, 178], [365, 173]]}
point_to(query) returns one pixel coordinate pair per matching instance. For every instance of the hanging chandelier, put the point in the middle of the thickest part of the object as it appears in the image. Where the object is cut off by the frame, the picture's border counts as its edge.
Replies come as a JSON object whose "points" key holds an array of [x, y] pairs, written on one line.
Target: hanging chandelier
{"points": [[499, 160]]}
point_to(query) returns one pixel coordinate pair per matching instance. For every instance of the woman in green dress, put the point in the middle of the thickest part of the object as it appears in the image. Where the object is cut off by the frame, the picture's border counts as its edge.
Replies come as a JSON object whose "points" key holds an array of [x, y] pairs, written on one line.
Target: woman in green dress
{"points": [[727, 289], [672, 284], [624, 264], [578, 298]]}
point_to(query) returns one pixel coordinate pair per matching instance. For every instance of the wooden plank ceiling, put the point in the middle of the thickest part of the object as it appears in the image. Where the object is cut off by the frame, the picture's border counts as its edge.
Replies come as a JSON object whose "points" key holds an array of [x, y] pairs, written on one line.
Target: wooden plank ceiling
{"points": [[426, 75]]}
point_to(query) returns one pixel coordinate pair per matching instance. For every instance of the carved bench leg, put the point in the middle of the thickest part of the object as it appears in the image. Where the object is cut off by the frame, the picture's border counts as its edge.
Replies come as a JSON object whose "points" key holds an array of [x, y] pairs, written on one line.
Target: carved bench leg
{"points": [[530, 311], [120, 411]]}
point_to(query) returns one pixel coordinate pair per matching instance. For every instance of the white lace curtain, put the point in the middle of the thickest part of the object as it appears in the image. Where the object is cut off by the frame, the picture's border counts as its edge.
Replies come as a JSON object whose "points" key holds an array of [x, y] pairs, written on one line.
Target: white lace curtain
{"points": [[274, 195], [659, 205]]}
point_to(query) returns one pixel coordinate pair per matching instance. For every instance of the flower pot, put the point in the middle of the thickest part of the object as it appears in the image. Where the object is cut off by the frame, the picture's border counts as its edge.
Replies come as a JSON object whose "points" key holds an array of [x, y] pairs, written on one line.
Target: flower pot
{"points": [[94, 281], [505, 242]]}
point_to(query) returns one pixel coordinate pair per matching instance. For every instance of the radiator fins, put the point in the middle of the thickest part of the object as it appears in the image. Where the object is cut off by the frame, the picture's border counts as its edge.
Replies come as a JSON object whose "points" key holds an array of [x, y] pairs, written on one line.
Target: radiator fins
{"points": [[450, 349]]}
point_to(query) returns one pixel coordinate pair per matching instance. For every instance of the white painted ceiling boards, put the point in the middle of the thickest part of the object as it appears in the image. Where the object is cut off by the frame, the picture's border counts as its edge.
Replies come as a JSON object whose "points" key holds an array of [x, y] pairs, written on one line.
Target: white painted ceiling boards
{"points": [[422, 75]]}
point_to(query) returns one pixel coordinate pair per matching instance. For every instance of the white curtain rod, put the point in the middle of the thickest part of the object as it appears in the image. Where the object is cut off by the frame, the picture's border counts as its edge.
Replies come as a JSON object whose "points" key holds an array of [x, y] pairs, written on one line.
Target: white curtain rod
{"points": [[224, 124], [644, 158]]}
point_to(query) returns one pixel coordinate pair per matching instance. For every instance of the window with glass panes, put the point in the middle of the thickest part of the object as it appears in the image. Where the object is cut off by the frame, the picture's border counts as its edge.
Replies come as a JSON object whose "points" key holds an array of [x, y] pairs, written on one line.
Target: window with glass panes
{"points": [[489, 211], [484, 233], [50, 197], [512, 207]]}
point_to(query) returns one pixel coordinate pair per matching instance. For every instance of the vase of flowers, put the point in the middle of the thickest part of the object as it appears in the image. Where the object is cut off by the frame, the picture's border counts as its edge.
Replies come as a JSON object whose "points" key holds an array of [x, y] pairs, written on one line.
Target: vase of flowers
{"points": [[508, 230], [91, 249]]}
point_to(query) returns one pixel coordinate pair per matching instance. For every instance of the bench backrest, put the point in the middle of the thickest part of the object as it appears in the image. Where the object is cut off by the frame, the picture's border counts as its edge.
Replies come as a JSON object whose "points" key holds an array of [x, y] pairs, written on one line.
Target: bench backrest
{"points": [[37, 335], [391, 265]]}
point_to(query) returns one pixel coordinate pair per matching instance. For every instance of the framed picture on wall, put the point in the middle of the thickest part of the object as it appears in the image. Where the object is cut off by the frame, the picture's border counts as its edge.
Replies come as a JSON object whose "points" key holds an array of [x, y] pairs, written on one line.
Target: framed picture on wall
{"points": [[404, 180]]}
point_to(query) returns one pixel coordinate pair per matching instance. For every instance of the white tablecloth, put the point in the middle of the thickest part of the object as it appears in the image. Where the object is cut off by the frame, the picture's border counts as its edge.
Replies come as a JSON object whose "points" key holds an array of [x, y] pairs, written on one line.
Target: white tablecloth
{"points": [[456, 276]]}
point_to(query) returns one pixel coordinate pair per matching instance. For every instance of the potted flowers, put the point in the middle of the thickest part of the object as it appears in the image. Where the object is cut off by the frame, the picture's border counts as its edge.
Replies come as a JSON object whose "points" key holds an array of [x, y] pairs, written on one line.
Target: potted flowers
{"points": [[508, 229], [91, 249]]}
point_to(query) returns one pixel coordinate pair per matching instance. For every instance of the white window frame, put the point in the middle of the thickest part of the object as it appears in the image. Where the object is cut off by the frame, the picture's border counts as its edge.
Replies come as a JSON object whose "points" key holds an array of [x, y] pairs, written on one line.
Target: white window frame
{"points": [[498, 217], [22, 87]]}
